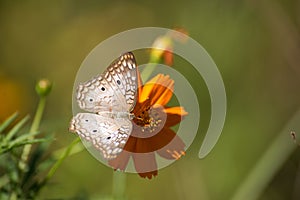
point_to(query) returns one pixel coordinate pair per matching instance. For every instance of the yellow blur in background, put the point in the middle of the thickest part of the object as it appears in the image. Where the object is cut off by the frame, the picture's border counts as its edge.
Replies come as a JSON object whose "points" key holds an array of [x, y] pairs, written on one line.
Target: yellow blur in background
{"points": [[13, 97]]}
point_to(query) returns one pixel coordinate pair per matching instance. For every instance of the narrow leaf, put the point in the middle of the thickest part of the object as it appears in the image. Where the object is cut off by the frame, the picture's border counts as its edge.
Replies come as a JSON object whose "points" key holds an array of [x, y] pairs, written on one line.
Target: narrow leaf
{"points": [[12, 145], [16, 128], [8, 121], [25, 137], [29, 142], [63, 156], [4, 180]]}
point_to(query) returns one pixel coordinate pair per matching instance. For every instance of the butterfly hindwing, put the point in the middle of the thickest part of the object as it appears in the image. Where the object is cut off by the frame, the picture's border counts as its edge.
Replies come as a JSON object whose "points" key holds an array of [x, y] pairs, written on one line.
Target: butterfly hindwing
{"points": [[107, 134], [114, 90]]}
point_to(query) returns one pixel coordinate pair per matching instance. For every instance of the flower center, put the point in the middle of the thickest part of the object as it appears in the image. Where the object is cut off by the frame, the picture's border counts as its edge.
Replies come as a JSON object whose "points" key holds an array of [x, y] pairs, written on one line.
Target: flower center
{"points": [[144, 118], [150, 121]]}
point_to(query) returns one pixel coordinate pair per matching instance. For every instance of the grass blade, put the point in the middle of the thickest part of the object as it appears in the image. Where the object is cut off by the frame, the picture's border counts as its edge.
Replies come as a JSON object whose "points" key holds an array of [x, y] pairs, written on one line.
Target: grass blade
{"points": [[61, 159], [16, 128], [22, 143], [4, 180], [268, 165], [15, 144], [8, 121], [25, 137]]}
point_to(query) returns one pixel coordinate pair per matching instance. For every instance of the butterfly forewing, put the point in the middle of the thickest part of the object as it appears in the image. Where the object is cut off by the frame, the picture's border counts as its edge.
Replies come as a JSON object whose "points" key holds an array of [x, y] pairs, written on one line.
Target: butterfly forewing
{"points": [[95, 95], [123, 74], [106, 134], [114, 90], [111, 97]]}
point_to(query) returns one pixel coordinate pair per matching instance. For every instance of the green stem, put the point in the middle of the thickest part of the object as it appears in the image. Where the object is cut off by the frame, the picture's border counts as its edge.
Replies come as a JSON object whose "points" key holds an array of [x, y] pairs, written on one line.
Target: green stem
{"points": [[77, 148], [147, 71], [13, 196], [34, 128], [119, 185], [62, 158], [270, 162], [38, 115]]}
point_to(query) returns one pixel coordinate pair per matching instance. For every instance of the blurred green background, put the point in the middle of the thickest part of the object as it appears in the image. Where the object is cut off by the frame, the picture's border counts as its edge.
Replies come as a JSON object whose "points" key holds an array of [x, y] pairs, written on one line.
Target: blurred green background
{"points": [[255, 44]]}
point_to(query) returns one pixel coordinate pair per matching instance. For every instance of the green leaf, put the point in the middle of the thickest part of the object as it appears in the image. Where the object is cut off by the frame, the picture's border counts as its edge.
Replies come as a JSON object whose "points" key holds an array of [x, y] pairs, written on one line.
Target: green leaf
{"points": [[4, 180], [8, 121], [17, 143], [30, 142], [24, 137], [62, 157], [29, 182], [16, 128]]}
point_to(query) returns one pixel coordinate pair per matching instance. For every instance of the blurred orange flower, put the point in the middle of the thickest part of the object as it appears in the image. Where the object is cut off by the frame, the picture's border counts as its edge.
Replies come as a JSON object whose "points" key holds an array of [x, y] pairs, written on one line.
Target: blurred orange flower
{"points": [[14, 97], [151, 128], [163, 45]]}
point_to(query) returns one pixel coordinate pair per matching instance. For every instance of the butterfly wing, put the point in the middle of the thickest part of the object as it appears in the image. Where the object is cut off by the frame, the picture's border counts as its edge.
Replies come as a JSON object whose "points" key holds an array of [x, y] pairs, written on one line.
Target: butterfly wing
{"points": [[114, 90], [106, 134]]}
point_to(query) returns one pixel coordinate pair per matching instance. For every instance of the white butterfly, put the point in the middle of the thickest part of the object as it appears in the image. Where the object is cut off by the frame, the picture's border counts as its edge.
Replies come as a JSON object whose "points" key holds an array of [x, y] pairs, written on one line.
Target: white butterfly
{"points": [[110, 97]]}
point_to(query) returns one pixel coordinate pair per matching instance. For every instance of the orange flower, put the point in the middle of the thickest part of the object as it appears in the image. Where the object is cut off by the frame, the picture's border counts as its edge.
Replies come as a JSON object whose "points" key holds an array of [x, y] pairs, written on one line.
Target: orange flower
{"points": [[151, 128]]}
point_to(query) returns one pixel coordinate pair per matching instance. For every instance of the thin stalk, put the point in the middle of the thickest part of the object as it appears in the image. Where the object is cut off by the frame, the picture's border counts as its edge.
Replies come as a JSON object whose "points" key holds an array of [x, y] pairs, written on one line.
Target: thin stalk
{"points": [[8, 121], [34, 128], [270, 162], [38, 115], [13, 197], [119, 185], [76, 148], [147, 71], [61, 159]]}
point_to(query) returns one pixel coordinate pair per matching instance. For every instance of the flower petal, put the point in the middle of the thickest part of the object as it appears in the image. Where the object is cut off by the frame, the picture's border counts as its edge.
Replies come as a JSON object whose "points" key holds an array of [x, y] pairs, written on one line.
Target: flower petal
{"points": [[141, 107], [121, 161], [176, 110], [145, 164], [159, 90], [174, 115], [154, 143], [168, 57], [173, 150], [130, 144], [140, 84], [149, 175]]}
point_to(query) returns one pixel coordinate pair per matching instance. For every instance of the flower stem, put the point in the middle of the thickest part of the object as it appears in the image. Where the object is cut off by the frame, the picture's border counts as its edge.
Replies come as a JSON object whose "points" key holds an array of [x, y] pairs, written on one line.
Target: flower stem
{"points": [[270, 162], [13, 196], [34, 128], [62, 158], [74, 149], [38, 116], [147, 71], [119, 185]]}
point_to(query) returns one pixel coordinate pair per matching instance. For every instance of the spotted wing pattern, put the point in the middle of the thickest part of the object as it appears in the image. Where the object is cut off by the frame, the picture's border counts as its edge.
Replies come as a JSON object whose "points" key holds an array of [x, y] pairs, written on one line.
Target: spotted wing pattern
{"points": [[108, 135], [110, 97], [113, 90]]}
